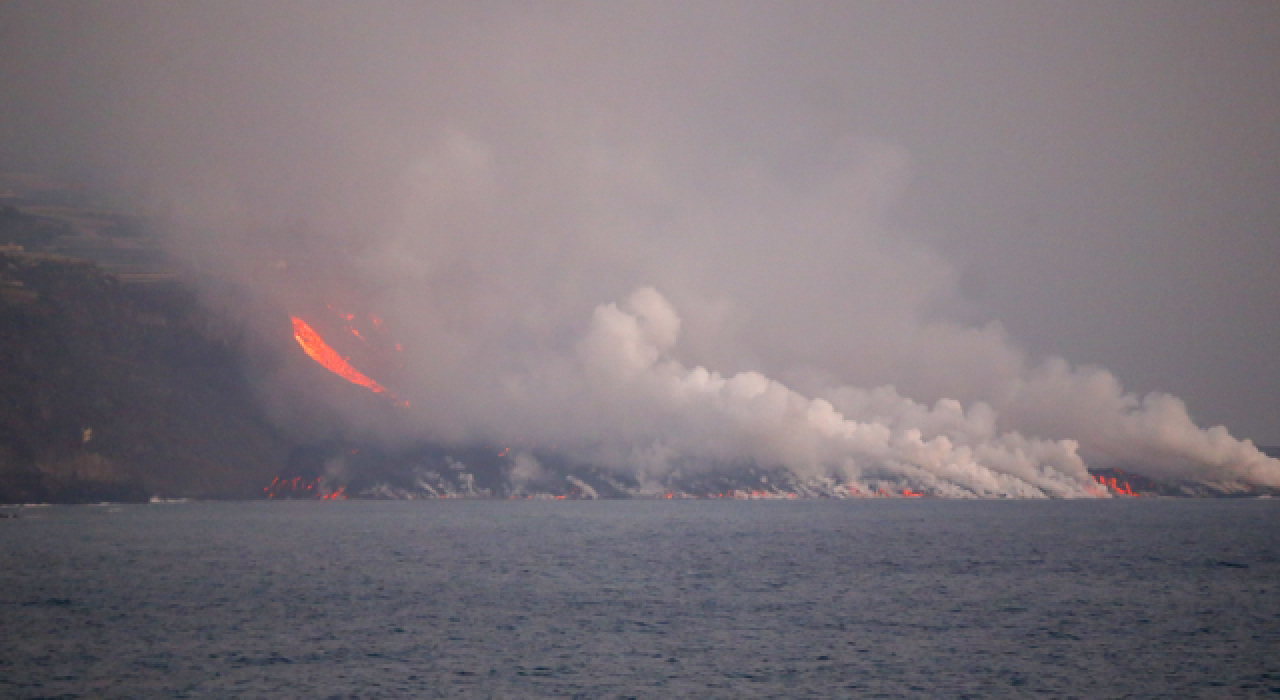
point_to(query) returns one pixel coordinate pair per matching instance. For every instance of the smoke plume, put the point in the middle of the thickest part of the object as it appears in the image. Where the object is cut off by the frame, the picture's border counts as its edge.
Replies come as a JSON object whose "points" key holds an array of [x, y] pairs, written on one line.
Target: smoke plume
{"points": [[605, 228]]}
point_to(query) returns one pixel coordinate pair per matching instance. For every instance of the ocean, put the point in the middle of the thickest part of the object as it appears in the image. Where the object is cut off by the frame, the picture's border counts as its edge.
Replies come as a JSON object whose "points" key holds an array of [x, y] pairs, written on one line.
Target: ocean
{"points": [[646, 599]]}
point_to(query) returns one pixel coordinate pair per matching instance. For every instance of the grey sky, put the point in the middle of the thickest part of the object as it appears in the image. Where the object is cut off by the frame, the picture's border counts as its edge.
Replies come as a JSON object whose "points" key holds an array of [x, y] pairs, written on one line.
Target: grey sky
{"points": [[1102, 179]]}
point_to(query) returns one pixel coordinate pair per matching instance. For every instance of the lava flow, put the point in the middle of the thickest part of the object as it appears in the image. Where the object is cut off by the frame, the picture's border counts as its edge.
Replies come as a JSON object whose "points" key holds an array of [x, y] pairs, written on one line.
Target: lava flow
{"points": [[299, 488], [321, 352], [1119, 486]]}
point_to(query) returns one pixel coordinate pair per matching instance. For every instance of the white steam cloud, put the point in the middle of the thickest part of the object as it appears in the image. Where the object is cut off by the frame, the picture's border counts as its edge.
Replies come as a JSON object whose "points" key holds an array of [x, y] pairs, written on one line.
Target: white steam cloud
{"points": [[859, 435]]}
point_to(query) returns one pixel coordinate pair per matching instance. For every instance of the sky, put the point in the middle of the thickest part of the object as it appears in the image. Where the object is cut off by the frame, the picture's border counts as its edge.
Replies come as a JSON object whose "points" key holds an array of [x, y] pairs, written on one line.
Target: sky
{"points": [[1065, 214]]}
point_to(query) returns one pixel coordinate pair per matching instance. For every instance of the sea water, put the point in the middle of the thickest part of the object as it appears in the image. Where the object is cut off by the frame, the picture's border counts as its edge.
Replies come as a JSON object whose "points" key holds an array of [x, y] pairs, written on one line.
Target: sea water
{"points": [[879, 598]]}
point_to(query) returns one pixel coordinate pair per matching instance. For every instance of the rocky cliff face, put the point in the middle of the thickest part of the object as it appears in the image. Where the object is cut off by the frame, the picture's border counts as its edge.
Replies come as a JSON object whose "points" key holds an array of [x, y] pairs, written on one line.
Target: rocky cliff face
{"points": [[116, 392]]}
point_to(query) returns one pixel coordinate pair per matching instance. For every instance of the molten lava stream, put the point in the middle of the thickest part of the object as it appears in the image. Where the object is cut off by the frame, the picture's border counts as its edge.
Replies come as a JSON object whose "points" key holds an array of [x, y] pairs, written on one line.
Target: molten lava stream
{"points": [[1122, 488], [318, 350], [328, 358]]}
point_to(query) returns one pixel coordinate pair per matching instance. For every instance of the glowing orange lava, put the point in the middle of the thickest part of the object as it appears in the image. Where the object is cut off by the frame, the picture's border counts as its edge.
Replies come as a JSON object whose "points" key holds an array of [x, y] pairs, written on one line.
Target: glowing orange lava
{"points": [[1122, 488], [297, 488], [328, 358]]}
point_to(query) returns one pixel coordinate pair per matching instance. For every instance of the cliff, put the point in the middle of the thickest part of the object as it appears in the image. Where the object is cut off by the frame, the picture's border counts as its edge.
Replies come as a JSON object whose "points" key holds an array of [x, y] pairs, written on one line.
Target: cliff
{"points": [[110, 391]]}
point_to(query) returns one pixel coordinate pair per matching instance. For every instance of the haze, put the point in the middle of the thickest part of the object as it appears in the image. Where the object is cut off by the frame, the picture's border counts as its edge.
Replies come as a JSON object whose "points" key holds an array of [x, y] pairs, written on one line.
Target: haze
{"points": [[567, 211]]}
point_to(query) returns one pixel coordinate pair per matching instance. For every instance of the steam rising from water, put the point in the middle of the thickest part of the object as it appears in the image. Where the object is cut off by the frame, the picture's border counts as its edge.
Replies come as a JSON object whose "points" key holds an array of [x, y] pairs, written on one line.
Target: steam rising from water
{"points": [[750, 418], [856, 435]]}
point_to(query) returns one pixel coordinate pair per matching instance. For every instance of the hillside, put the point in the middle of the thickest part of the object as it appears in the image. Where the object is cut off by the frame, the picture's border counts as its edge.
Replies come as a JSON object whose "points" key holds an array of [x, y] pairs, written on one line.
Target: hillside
{"points": [[111, 391]]}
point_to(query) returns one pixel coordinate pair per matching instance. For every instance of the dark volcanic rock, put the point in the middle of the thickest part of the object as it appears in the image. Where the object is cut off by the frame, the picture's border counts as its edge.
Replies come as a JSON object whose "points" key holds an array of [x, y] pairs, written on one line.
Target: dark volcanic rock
{"points": [[117, 393]]}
